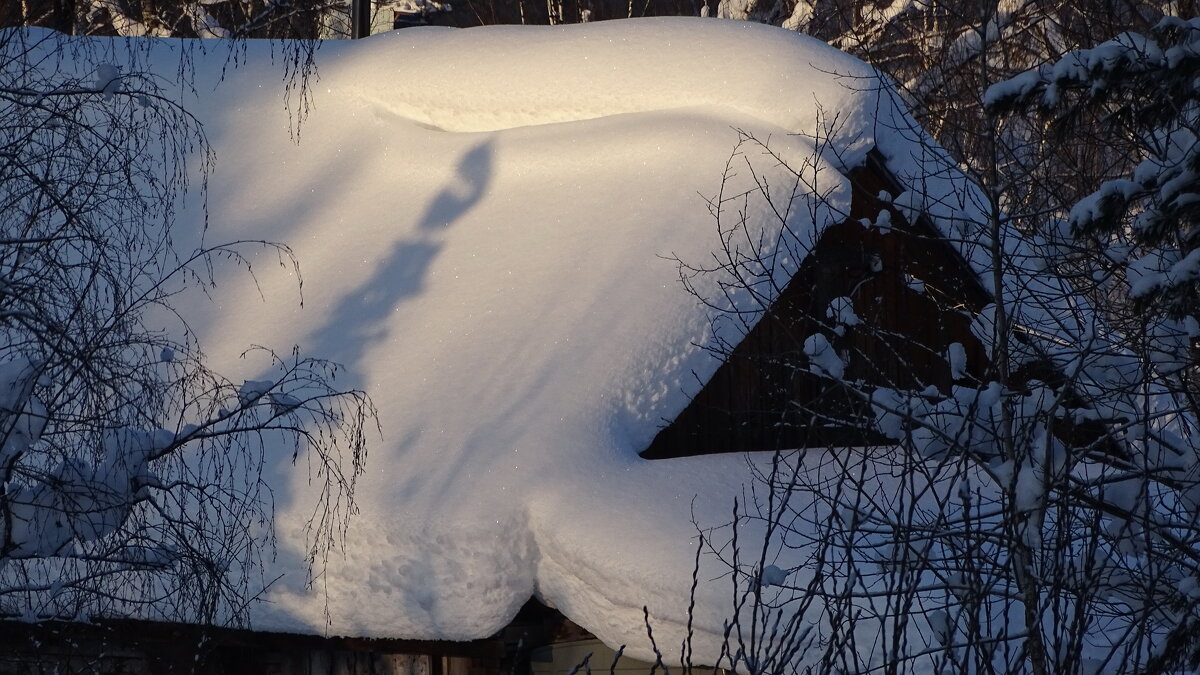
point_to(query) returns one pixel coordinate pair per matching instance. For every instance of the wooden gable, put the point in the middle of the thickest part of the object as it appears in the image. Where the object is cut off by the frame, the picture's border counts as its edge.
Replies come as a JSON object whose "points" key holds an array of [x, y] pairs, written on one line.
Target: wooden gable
{"points": [[914, 295]]}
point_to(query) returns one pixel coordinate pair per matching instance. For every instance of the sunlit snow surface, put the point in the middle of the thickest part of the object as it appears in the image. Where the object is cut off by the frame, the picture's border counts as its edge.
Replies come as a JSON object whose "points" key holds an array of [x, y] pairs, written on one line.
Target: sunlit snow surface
{"points": [[485, 221]]}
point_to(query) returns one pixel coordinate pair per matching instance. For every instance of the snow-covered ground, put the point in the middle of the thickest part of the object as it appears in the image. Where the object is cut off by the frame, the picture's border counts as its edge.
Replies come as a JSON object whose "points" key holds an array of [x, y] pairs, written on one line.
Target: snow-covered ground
{"points": [[485, 221]]}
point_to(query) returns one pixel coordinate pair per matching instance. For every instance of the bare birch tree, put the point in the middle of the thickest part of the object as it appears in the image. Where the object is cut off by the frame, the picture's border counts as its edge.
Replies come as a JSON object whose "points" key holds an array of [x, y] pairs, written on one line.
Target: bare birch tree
{"points": [[132, 475], [1032, 509]]}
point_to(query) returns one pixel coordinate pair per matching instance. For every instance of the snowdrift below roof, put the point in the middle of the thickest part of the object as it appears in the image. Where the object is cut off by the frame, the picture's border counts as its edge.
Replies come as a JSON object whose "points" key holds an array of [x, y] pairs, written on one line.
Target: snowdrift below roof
{"points": [[485, 220]]}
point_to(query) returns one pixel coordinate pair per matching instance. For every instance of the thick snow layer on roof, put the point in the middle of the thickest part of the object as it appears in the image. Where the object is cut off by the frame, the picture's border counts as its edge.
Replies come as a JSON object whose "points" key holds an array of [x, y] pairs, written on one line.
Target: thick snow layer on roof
{"points": [[485, 220]]}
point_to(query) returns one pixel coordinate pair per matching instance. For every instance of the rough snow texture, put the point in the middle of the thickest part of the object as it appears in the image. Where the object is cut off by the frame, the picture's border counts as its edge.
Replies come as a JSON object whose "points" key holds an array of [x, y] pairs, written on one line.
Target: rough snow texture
{"points": [[483, 219], [1151, 78]]}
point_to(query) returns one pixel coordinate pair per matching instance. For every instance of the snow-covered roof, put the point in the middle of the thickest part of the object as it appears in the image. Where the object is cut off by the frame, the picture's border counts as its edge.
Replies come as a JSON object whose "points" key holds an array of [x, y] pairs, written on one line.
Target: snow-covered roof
{"points": [[486, 220]]}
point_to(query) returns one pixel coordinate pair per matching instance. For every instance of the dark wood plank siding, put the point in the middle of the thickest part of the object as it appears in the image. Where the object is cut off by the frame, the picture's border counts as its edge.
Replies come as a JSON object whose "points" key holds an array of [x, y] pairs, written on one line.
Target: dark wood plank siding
{"points": [[135, 647], [764, 398]]}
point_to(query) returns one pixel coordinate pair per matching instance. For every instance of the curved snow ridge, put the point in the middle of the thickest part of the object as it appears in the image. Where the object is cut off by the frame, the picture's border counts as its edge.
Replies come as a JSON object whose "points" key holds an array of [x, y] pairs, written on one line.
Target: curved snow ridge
{"points": [[613, 622], [415, 582], [490, 121], [575, 72], [627, 540]]}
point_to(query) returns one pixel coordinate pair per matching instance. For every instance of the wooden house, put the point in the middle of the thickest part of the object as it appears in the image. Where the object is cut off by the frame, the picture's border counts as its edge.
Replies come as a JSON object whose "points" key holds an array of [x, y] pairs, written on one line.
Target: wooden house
{"points": [[523, 334], [912, 291]]}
